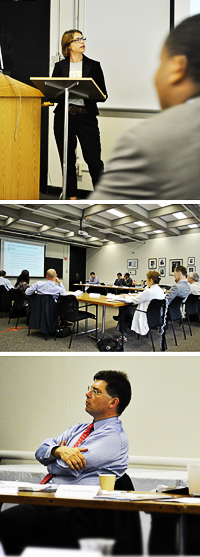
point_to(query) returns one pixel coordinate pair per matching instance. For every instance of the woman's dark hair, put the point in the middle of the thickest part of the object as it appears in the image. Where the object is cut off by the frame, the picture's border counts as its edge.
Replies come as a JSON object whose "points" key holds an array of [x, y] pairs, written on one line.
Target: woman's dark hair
{"points": [[118, 385], [185, 40], [67, 38], [23, 277]]}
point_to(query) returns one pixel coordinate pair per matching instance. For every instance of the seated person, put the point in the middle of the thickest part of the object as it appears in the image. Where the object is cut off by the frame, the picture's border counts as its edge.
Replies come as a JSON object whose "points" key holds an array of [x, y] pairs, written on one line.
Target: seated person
{"points": [[182, 287], [22, 282], [4, 281], [52, 286], [193, 279], [118, 280], [137, 320], [93, 278], [127, 280], [77, 457]]}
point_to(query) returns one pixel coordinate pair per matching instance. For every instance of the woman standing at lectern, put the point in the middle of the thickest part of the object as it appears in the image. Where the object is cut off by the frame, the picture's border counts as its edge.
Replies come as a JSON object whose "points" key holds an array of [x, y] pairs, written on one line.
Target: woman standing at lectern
{"points": [[82, 123]]}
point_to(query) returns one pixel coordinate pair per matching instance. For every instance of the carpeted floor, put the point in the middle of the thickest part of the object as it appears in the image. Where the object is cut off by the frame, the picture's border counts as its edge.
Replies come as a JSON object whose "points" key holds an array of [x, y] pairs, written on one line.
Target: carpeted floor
{"points": [[19, 341]]}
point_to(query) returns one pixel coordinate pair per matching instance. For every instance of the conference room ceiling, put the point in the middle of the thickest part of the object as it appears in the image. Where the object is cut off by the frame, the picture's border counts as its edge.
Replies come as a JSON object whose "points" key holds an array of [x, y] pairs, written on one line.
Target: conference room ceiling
{"points": [[92, 225]]}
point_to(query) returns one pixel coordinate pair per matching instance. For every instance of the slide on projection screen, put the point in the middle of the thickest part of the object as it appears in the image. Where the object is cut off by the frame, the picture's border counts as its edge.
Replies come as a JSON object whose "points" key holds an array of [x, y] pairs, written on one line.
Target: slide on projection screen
{"points": [[16, 256]]}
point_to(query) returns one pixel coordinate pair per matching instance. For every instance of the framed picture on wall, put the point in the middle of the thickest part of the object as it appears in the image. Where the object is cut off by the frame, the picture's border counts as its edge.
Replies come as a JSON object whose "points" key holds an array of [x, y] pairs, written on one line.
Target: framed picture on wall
{"points": [[162, 271], [191, 261], [174, 263], [132, 264], [191, 269], [152, 263], [162, 262], [134, 272]]}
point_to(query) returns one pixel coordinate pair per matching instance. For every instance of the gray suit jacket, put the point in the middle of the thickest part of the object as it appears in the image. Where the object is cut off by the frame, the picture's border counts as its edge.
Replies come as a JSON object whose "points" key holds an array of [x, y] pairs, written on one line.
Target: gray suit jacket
{"points": [[158, 159], [181, 288]]}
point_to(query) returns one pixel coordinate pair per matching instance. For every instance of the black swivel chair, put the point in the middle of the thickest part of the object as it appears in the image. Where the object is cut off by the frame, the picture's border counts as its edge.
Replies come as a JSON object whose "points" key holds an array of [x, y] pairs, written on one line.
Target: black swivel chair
{"points": [[192, 308], [155, 318], [19, 306], [68, 311], [42, 314], [174, 314], [5, 299]]}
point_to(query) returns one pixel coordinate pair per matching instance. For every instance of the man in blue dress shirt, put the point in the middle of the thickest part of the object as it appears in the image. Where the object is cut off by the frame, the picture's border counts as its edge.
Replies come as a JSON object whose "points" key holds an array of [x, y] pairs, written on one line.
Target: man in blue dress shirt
{"points": [[105, 450], [52, 286]]}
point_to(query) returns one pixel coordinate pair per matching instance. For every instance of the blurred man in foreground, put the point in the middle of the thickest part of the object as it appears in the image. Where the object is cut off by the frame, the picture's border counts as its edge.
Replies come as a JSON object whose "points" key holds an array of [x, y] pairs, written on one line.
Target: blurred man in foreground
{"points": [[159, 159]]}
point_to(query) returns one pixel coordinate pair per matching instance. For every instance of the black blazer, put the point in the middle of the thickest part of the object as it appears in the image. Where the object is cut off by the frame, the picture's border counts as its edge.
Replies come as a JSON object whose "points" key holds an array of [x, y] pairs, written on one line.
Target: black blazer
{"points": [[91, 68]]}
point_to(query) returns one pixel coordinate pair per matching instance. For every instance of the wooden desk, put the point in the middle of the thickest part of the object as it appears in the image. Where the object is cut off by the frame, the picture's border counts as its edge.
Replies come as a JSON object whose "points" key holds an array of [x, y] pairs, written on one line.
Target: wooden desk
{"points": [[102, 301], [147, 506], [112, 287]]}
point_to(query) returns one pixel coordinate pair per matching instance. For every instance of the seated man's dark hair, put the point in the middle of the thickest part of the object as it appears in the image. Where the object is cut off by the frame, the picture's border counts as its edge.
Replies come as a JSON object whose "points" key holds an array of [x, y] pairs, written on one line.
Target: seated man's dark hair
{"points": [[119, 274], [2, 273], [118, 385], [92, 273], [185, 39], [181, 269]]}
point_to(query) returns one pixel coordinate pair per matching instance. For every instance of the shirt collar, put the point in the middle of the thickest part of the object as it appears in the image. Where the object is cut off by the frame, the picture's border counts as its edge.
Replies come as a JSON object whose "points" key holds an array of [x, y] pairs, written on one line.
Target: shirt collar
{"points": [[102, 422]]}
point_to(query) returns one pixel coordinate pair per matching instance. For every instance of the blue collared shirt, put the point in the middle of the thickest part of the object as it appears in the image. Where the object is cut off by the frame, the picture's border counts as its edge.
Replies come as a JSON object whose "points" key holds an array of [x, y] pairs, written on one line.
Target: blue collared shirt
{"points": [[6, 282], [47, 287], [107, 453]]}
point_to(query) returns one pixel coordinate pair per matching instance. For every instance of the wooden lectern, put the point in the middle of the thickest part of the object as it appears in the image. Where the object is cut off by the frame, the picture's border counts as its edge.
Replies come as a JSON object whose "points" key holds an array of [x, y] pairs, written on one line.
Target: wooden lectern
{"points": [[20, 124], [56, 88]]}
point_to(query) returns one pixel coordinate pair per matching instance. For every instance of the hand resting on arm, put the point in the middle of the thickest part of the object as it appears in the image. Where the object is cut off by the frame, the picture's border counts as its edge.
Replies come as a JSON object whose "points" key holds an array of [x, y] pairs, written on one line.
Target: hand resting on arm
{"points": [[72, 456]]}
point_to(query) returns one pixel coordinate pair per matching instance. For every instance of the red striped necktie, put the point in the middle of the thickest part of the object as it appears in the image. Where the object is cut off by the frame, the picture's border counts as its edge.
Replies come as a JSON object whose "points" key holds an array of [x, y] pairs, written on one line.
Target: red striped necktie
{"points": [[82, 438]]}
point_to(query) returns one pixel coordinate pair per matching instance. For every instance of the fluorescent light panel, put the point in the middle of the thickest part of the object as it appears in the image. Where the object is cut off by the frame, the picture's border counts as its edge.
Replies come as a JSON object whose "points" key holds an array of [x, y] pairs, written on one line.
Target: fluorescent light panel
{"points": [[140, 223], [179, 215], [116, 213]]}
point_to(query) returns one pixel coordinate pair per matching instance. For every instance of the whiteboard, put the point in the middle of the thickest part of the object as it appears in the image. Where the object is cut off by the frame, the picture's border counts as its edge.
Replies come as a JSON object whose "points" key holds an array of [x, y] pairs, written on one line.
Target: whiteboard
{"points": [[126, 37]]}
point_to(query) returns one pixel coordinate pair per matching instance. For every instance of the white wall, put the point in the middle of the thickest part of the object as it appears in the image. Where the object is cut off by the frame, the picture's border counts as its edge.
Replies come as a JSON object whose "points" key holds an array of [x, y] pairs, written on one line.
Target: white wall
{"points": [[42, 396], [112, 258]]}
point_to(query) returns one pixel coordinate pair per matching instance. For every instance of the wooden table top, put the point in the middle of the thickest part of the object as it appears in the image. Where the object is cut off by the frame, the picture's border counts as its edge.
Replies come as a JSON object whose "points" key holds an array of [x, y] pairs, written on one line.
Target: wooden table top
{"points": [[148, 505], [100, 301]]}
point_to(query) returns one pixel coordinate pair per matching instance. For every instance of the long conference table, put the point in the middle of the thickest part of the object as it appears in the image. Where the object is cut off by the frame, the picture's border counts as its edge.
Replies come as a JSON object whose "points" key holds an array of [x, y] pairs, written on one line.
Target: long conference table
{"points": [[169, 506]]}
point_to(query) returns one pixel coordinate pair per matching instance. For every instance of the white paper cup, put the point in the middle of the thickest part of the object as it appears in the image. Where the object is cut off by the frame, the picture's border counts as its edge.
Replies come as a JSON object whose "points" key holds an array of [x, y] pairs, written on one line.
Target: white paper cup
{"points": [[102, 545], [107, 481]]}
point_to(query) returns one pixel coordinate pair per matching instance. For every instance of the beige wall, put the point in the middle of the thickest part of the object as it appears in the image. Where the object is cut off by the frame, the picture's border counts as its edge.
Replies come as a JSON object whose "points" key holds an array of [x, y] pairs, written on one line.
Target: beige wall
{"points": [[113, 258], [42, 396]]}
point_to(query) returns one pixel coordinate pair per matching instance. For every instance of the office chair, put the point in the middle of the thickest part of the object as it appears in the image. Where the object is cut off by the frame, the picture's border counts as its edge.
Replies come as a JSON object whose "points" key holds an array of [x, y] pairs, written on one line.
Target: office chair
{"points": [[42, 314], [18, 308], [174, 314], [192, 308], [155, 318], [5, 299], [68, 310]]}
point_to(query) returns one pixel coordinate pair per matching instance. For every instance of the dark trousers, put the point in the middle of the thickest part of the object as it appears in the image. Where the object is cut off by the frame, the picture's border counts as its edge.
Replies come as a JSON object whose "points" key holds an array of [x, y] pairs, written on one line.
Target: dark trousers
{"points": [[62, 527], [85, 128]]}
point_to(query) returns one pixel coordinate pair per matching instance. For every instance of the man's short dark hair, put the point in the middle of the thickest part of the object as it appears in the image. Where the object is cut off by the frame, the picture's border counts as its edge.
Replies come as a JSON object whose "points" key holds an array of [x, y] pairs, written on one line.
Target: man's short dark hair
{"points": [[181, 269], [2, 273], [92, 273], [185, 39], [119, 274], [127, 275], [118, 385]]}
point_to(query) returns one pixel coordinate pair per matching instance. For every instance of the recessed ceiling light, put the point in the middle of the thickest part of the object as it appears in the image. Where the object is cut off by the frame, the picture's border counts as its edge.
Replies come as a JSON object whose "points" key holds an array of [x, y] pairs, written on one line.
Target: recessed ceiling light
{"points": [[193, 225], [179, 215], [140, 223], [30, 222], [116, 213], [157, 231], [63, 229]]}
